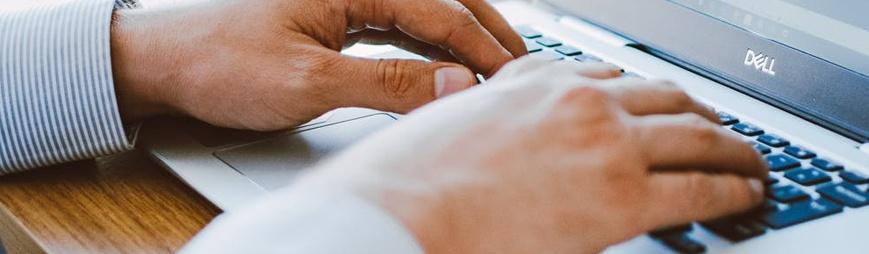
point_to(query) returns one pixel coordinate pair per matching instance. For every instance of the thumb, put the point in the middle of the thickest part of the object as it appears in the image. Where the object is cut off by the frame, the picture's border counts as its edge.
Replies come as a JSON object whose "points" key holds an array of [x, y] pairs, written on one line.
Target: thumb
{"points": [[401, 85]]}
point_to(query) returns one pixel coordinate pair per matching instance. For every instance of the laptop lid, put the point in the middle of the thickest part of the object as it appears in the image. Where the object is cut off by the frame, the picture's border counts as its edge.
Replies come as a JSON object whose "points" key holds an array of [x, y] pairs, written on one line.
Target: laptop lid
{"points": [[808, 57]]}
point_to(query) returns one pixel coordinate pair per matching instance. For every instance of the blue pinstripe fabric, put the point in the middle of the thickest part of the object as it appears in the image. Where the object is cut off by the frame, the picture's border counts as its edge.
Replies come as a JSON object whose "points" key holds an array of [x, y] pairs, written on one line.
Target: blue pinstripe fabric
{"points": [[57, 98]]}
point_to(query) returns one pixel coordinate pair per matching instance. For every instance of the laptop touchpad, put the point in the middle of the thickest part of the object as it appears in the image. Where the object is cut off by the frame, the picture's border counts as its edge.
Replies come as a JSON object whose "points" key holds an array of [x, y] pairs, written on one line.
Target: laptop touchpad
{"points": [[274, 162]]}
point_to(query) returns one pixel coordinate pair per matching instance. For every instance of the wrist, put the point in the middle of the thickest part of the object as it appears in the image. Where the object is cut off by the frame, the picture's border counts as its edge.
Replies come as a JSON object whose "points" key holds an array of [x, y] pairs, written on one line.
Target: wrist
{"points": [[142, 79]]}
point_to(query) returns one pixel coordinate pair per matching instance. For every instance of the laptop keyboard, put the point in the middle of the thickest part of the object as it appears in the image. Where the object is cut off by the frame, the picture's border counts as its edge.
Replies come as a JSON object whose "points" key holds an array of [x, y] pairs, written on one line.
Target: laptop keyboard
{"points": [[554, 50], [802, 186]]}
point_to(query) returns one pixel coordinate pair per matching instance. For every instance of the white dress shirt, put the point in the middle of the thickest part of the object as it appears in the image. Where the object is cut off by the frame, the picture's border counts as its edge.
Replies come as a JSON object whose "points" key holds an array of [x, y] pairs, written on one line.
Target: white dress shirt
{"points": [[306, 220], [58, 104]]}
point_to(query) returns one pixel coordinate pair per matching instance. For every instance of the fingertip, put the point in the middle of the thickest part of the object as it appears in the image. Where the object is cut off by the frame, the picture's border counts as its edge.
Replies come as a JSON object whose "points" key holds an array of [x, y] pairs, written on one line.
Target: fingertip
{"points": [[452, 79], [519, 52], [610, 70], [516, 46], [755, 164], [511, 41], [598, 70], [707, 196], [757, 189]]}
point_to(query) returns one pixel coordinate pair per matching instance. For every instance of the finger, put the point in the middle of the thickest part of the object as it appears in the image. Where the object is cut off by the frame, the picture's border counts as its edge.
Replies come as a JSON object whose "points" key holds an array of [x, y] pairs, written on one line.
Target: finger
{"points": [[595, 70], [686, 197], [533, 63], [521, 66], [492, 20], [403, 41], [443, 23], [646, 97], [396, 85], [689, 141]]}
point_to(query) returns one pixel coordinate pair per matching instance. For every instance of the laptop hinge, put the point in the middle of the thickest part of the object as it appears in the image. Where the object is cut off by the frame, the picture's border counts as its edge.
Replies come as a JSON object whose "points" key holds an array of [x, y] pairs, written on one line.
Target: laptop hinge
{"points": [[864, 148], [594, 31]]}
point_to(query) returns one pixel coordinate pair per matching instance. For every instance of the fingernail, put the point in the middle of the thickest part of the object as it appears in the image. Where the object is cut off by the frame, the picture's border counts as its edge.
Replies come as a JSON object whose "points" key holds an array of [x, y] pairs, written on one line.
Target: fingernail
{"points": [[756, 186], [450, 80]]}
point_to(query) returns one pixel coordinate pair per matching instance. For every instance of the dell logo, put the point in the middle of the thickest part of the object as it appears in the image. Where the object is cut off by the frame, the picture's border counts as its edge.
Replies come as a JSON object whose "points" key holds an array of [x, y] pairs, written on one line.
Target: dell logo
{"points": [[760, 62]]}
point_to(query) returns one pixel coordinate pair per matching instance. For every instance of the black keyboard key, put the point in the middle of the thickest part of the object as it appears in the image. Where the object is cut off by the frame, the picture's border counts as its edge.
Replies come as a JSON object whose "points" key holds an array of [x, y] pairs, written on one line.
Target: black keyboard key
{"points": [[799, 152], [854, 177], [760, 148], [770, 180], [549, 55], [801, 212], [682, 243], [548, 42], [727, 119], [747, 129], [678, 229], [787, 194], [735, 228], [826, 165], [528, 32], [779, 162], [532, 47], [845, 194], [808, 176], [568, 50], [773, 140]]}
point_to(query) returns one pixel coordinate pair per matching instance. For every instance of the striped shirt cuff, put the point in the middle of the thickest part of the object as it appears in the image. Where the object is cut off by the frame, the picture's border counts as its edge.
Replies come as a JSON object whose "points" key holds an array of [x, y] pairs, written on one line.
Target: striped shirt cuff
{"points": [[58, 99], [126, 4]]}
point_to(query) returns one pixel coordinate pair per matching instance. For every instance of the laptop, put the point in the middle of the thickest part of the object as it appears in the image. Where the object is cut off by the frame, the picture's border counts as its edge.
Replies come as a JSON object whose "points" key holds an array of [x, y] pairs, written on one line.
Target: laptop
{"points": [[790, 76]]}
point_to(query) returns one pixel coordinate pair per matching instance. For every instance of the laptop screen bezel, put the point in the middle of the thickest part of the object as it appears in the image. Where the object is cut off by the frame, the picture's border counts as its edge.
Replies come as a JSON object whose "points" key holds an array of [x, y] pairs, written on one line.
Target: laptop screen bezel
{"points": [[813, 88]]}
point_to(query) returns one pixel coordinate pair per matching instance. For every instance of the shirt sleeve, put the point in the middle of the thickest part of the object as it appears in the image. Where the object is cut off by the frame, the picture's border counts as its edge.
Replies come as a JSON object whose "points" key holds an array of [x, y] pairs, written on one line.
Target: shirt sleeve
{"points": [[57, 97], [306, 221]]}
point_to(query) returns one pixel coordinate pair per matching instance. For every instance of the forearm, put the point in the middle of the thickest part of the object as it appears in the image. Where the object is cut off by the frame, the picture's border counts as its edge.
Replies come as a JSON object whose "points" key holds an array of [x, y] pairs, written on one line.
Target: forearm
{"points": [[306, 219]]}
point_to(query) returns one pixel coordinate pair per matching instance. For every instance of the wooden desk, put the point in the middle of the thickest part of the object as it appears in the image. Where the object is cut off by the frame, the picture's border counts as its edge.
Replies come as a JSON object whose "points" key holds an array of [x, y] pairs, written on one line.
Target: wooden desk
{"points": [[122, 203]]}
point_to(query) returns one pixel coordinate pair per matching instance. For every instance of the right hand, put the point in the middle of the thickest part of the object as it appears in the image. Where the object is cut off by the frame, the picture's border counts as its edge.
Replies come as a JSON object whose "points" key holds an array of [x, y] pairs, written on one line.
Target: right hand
{"points": [[551, 158]]}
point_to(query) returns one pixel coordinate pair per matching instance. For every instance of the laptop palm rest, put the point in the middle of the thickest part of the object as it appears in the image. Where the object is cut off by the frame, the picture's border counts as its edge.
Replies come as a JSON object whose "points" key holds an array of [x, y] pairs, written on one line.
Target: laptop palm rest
{"points": [[274, 162]]}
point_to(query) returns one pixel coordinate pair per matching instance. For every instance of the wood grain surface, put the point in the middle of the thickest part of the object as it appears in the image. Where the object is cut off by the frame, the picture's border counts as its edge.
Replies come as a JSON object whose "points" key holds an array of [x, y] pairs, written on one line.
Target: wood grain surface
{"points": [[119, 204]]}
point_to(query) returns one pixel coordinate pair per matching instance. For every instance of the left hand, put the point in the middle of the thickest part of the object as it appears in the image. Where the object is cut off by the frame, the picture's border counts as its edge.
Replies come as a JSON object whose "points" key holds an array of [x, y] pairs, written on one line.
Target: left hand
{"points": [[274, 64]]}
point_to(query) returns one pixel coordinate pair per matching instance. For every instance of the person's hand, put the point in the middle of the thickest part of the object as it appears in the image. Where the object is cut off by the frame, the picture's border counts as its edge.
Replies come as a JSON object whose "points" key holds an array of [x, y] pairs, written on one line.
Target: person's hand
{"points": [[274, 64], [551, 158]]}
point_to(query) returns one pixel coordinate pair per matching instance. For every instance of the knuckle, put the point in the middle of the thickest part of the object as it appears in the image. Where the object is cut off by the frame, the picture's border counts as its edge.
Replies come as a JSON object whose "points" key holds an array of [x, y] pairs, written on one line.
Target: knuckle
{"points": [[395, 81], [587, 93], [586, 97], [462, 20], [463, 15], [363, 13], [705, 137], [589, 105]]}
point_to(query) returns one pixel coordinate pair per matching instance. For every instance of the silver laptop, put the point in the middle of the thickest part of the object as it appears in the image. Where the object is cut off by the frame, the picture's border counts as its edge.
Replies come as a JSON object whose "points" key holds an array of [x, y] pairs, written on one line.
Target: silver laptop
{"points": [[790, 76]]}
